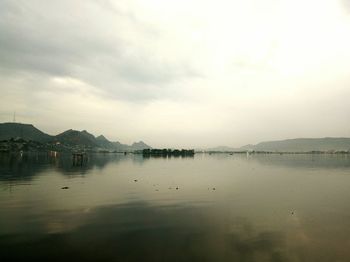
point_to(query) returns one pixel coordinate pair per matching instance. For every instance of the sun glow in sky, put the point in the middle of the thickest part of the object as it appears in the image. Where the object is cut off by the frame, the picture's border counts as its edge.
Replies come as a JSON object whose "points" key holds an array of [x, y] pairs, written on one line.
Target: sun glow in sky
{"points": [[178, 73]]}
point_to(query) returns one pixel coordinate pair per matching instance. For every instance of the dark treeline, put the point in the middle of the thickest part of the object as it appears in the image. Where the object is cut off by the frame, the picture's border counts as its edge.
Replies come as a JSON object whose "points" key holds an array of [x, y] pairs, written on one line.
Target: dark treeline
{"points": [[168, 152]]}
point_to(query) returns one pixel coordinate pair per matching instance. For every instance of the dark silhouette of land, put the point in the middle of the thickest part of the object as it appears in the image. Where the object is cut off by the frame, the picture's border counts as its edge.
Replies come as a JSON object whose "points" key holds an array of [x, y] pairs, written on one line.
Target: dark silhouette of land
{"points": [[167, 152], [327, 144], [17, 136], [26, 137]]}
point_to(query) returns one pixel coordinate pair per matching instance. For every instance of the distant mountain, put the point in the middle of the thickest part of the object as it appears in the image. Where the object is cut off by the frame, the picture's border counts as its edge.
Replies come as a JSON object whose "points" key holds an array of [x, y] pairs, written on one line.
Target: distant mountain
{"points": [[81, 138], [76, 138], [220, 149], [85, 139], [139, 146], [104, 142], [292, 145], [120, 147], [247, 147], [303, 145], [135, 146], [25, 131], [70, 138]]}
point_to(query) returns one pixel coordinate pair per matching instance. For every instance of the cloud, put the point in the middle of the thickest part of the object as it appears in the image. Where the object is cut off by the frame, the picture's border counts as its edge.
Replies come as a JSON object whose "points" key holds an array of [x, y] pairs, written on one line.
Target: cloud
{"points": [[183, 72], [61, 39]]}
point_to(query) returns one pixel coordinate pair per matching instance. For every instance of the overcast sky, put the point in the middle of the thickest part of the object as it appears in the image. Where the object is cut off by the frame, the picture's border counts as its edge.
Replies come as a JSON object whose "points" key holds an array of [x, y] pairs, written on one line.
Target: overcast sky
{"points": [[184, 73]]}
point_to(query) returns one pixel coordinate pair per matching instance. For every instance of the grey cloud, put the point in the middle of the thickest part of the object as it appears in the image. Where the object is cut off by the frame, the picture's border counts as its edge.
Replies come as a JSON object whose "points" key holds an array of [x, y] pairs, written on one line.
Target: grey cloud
{"points": [[31, 40]]}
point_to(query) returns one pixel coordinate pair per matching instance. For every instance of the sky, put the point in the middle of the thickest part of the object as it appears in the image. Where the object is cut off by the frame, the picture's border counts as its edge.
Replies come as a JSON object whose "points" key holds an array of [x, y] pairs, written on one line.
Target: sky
{"points": [[185, 73]]}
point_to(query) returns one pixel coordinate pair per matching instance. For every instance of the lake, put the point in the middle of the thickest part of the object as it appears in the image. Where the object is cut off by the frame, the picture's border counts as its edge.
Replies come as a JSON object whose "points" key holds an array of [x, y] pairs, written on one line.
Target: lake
{"points": [[217, 207]]}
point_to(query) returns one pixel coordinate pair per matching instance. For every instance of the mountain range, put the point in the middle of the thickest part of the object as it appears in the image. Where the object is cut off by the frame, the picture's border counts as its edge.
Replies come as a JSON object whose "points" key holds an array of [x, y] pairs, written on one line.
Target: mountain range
{"points": [[69, 138], [73, 138], [294, 145]]}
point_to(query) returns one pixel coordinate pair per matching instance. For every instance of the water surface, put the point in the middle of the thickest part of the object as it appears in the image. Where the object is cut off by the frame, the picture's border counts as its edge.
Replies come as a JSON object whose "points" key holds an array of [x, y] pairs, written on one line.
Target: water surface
{"points": [[206, 208]]}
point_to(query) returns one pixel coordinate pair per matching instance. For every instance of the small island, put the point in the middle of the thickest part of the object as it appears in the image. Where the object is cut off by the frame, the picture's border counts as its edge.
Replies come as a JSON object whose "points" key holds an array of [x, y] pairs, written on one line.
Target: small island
{"points": [[167, 152]]}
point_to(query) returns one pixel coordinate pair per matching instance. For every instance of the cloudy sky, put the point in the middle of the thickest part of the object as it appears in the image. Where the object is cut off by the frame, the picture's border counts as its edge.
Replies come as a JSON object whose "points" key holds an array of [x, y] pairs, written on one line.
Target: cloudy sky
{"points": [[178, 73]]}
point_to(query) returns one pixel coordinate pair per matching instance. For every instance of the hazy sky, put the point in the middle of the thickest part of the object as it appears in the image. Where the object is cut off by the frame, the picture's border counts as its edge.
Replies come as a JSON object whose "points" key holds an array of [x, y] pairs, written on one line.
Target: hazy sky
{"points": [[178, 73]]}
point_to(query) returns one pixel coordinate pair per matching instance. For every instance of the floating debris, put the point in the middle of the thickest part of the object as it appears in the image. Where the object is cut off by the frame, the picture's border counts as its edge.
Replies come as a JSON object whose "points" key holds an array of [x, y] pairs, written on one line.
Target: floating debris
{"points": [[177, 188], [65, 187], [213, 188], [135, 180]]}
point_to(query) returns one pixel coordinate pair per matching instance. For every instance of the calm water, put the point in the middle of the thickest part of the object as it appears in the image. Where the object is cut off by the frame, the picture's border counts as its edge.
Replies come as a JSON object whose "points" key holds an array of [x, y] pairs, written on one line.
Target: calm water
{"points": [[206, 208]]}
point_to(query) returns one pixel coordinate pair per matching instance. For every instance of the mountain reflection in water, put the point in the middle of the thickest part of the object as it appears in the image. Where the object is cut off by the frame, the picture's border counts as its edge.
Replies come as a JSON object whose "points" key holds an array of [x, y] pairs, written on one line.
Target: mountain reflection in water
{"points": [[126, 208]]}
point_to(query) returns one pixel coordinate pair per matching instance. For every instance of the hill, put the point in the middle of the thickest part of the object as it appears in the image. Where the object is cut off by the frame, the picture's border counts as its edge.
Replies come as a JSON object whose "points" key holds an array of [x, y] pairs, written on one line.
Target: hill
{"points": [[70, 138], [104, 143], [303, 145], [25, 131], [76, 138], [292, 145], [84, 138], [139, 146]]}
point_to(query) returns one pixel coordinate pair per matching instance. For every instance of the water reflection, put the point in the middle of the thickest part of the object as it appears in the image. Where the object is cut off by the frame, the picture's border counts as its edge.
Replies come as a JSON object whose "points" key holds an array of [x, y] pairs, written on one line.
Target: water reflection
{"points": [[140, 232], [26, 166], [127, 208], [143, 232], [329, 161]]}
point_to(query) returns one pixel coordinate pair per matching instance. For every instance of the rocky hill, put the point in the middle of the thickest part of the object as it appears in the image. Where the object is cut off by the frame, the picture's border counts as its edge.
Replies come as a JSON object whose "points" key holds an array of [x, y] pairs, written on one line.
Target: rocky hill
{"points": [[69, 138], [25, 131]]}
